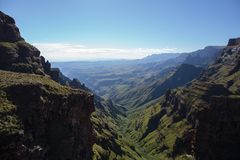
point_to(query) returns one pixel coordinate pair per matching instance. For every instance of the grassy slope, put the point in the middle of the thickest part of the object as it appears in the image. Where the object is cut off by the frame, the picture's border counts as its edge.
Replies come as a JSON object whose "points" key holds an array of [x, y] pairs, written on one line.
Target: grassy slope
{"points": [[157, 133], [9, 121], [111, 144], [109, 129]]}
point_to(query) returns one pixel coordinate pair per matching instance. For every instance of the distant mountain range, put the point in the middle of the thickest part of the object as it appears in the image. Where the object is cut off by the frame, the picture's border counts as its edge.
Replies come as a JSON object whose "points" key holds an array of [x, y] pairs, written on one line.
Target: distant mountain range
{"points": [[120, 79], [158, 57]]}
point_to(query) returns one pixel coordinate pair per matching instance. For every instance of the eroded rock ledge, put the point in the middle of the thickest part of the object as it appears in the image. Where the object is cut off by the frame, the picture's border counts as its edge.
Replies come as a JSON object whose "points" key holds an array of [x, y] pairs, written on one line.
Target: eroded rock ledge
{"points": [[41, 119]]}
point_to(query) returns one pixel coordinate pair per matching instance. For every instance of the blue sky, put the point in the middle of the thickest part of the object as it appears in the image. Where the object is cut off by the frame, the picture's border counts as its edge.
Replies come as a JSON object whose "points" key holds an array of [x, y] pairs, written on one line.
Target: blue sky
{"points": [[123, 28]]}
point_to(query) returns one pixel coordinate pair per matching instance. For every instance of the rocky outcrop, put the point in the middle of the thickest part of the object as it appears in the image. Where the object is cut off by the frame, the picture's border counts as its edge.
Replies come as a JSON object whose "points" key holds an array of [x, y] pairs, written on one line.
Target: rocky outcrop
{"points": [[16, 54], [225, 65], [39, 118], [234, 42], [9, 32], [54, 121], [55, 74]]}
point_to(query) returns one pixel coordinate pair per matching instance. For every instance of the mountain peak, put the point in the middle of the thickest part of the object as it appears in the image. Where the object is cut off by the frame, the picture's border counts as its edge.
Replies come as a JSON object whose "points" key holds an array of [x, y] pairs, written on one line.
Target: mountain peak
{"points": [[9, 31], [234, 41]]}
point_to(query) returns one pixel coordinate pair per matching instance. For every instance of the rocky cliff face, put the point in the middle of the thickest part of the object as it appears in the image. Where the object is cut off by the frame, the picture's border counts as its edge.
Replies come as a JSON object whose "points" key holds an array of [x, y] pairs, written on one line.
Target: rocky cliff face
{"points": [[16, 54], [51, 121], [217, 133], [39, 118], [217, 126], [9, 32]]}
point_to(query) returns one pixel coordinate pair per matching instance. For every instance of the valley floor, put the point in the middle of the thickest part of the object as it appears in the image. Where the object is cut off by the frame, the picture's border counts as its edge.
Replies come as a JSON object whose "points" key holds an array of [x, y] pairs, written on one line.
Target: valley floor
{"points": [[137, 147]]}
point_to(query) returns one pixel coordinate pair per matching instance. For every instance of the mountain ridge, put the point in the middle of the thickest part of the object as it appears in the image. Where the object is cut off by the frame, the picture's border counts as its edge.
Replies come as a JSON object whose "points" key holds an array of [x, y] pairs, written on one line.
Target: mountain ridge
{"points": [[39, 118], [192, 115]]}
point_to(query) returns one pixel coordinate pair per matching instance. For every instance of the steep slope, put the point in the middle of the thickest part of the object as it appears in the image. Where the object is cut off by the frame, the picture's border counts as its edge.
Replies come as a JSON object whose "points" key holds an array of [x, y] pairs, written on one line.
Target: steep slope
{"points": [[39, 118], [203, 57], [199, 120], [170, 79], [16, 54], [159, 57], [9, 31], [184, 74], [108, 141]]}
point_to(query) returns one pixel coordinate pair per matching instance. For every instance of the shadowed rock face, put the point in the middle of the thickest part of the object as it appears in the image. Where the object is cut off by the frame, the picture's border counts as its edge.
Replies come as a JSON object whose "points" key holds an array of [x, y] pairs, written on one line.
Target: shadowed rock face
{"points": [[217, 134], [9, 32], [234, 42], [55, 126]]}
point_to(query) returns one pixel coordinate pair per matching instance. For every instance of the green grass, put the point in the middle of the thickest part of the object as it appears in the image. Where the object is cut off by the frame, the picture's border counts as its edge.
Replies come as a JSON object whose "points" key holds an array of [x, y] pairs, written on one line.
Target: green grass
{"points": [[13, 78], [13, 45], [111, 143], [159, 143], [10, 123], [8, 45]]}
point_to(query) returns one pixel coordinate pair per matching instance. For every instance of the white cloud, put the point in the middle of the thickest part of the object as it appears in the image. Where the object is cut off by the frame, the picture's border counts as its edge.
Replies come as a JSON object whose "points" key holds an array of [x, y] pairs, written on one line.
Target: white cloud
{"points": [[73, 52]]}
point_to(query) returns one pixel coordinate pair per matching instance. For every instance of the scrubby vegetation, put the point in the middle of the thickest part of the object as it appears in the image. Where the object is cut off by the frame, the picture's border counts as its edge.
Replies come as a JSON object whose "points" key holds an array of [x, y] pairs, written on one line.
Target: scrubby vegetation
{"points": [[10, 122]]}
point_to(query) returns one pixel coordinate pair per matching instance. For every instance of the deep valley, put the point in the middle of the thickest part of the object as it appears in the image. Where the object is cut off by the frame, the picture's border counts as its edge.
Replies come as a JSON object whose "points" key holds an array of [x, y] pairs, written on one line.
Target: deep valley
{"points": [[171, 106], [165, 105]]}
